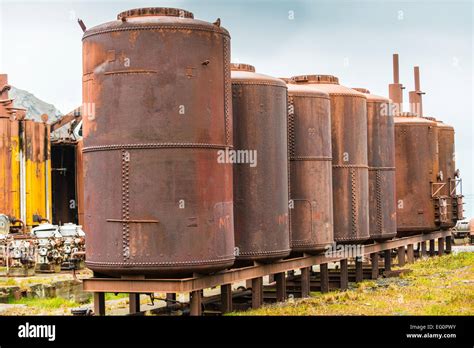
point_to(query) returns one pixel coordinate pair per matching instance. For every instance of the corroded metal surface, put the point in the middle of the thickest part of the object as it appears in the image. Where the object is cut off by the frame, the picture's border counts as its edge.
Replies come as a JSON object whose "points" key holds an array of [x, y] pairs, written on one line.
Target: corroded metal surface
{"points": [[260, 183], [447, 169], [416, 162], [157, 96], [349, 157], [310, 168], [381, 161]]}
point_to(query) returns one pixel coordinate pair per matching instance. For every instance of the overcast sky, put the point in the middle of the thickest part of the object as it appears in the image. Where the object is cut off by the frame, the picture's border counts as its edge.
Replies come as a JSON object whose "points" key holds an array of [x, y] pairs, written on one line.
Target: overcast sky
{"points": [[40, 48]]}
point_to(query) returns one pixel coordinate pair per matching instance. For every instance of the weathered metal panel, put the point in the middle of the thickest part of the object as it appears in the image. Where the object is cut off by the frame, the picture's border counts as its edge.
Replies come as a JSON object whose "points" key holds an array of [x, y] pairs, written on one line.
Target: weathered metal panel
{"points": [[381, 161], [349, 158], [259, 105], [416, 162], [157, 111], [309, 115]]}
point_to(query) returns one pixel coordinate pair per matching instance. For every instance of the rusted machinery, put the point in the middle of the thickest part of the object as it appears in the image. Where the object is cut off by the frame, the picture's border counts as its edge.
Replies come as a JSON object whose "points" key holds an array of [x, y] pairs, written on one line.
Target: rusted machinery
{"points": [[349, 157], [73, 243], [452, 188], [420, 208], [25, 180], [259, 105], [158, 85], [49, 246], [311, 208], [381, 161]]}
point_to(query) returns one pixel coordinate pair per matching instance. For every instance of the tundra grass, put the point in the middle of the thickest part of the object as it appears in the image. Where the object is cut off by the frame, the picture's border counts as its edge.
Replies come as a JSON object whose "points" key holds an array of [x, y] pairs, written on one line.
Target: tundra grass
{"points": [[435, 286]]}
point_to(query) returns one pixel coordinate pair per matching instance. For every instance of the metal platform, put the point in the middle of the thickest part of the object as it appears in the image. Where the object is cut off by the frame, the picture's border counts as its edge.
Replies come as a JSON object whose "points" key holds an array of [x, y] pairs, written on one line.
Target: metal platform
{"points": [[140, 285]]}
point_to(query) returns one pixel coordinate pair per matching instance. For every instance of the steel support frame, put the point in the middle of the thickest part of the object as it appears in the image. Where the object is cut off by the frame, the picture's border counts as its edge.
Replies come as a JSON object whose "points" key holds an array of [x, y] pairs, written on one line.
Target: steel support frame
{"points": [[193, 285]]}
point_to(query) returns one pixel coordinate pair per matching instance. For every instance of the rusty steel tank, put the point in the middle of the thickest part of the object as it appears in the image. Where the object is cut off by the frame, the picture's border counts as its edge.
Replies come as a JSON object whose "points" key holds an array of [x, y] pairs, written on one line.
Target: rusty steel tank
{"points": [[259, 105], [381, 161], [349, 157], [448, 175], [157, 114], [311, 211], [417, 174]]}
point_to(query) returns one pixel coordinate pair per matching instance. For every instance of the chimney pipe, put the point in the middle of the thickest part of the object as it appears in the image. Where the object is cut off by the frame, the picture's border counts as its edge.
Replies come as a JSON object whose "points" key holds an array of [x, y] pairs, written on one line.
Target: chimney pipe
{"points": [[395, 89], [415, 97]]}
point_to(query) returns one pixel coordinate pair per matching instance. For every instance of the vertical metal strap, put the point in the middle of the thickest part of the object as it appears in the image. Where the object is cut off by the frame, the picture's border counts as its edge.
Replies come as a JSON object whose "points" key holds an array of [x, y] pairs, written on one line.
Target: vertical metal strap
{"points": [[291, 152], [354, 205], [378, 195], [125, 204], [227, 91]]}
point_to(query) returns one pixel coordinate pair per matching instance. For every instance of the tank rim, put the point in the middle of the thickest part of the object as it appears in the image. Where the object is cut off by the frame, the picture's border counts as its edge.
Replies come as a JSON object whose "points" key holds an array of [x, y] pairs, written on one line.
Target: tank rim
{"points": [[155, 11], [242, 67], [323, 79]]}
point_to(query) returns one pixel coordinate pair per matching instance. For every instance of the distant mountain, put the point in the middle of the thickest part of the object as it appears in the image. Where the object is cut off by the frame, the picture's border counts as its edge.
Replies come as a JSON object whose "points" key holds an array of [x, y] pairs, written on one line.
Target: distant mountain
{"points": [[35, 107]]}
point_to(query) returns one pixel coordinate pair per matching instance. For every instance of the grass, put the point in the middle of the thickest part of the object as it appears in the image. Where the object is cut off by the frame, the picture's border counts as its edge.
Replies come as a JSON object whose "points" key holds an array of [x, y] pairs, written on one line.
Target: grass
{"points": [[46, 303], [436, 286]]}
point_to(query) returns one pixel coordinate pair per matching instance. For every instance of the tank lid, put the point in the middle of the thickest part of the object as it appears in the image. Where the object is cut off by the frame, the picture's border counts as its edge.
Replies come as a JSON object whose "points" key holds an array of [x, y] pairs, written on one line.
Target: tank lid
{"points": [[362, 90], [325, 79], [155, 11], [242, 67]]}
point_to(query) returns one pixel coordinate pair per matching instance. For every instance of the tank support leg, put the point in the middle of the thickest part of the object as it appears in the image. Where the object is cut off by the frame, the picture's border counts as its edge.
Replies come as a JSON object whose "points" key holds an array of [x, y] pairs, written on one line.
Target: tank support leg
{"points": [[344, 276], [195, 299], [440, 246], [226, 298], [432, 247], [401, 256], [280, 279], [305, 282], [324, 277], [359, 269], [423, 250], [171, 298], [374, 260], [134, 303], [410, 253], [99, 303], [448, 244], [257, 292], [388, 260]]}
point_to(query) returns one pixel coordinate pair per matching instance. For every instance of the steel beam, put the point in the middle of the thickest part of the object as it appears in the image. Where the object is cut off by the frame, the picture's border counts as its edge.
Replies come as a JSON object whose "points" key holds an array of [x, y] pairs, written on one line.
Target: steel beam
{"points": [[448, 244], [134, 303], [196, 303], [130, 285], [432, 247], [99, 303], [410, 253], [359, 270], [257, 292], [374, 260], [401, 256], [226, 298], [423, 249], [388, 260], [344, 282], [324, 277], [305, 281], [440, 246], [280, 279]]}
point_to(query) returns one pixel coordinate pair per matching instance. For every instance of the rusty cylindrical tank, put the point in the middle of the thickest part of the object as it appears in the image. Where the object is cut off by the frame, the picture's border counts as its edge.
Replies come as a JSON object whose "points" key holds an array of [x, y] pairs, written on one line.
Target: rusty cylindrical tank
{"points": [[259, 106], [449, 176], [381, 161], [416, 162], [349, 158], [311, 214], [157, 110]]}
